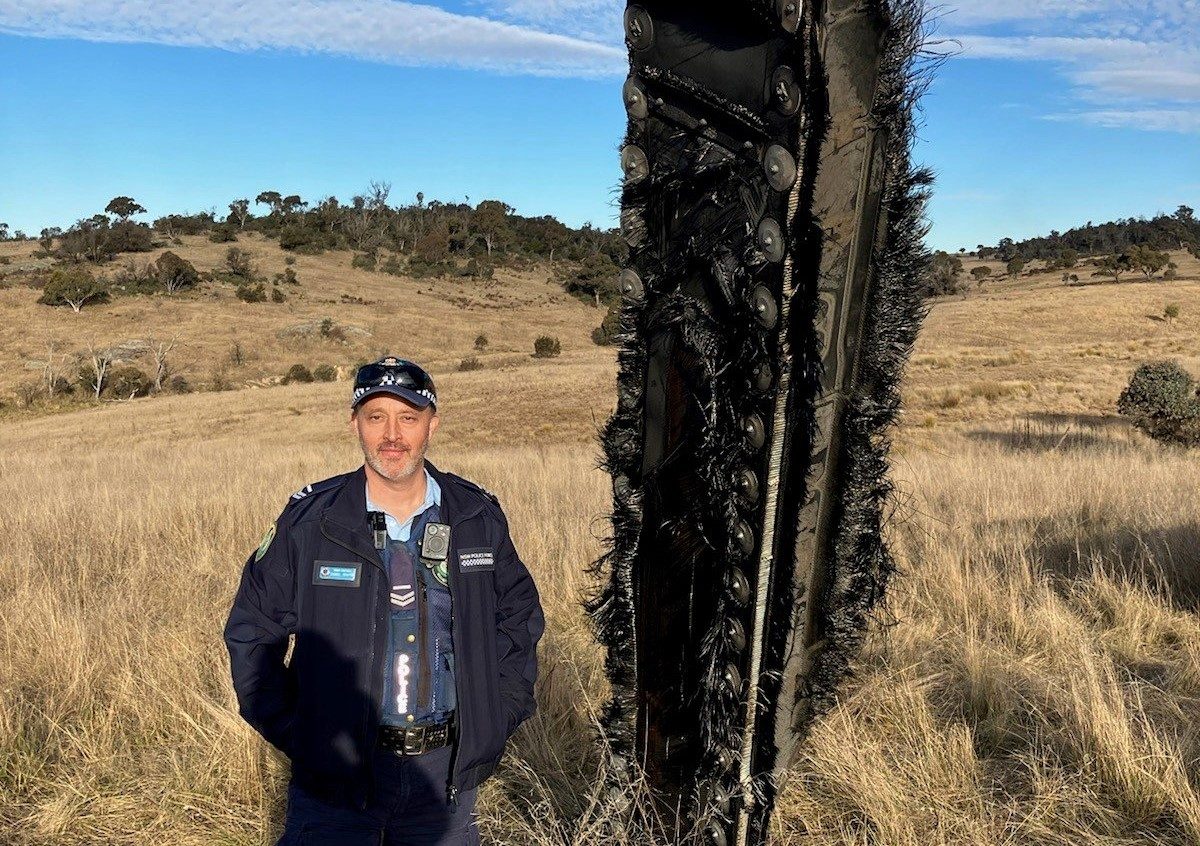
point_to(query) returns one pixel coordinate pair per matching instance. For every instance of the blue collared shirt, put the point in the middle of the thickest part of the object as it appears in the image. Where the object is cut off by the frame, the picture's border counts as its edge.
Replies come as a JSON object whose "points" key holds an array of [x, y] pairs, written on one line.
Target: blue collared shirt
{"points": [[398, 531]]}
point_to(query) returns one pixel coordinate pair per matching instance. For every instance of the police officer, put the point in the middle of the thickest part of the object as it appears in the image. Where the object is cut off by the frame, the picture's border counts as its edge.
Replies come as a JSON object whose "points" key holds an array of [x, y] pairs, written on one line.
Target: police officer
{"points": [[415, 627]]}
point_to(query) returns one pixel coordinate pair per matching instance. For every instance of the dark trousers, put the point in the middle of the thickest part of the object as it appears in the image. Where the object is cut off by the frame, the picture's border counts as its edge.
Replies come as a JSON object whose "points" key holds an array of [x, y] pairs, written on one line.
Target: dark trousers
{"points": [[407, 808]]}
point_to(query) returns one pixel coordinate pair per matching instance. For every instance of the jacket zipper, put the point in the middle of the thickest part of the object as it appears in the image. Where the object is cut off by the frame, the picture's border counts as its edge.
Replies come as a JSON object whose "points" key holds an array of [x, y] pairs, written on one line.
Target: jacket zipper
{"points": [[426, 673], [370, 734], [452, 784]]}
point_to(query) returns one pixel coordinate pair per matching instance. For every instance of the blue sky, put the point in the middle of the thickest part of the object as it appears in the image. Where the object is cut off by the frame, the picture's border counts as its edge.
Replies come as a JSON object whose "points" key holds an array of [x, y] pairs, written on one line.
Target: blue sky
{"points": [[1050, 114]]}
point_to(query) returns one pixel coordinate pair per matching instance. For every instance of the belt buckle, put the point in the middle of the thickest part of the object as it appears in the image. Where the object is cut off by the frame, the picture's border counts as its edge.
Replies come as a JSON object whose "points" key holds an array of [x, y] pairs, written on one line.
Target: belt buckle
{"points": [[414, 741]]}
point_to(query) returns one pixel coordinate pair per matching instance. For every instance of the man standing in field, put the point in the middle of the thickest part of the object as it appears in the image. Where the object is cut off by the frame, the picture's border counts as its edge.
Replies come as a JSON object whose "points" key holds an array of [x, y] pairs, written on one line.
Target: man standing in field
{"points": [[415, 627]]}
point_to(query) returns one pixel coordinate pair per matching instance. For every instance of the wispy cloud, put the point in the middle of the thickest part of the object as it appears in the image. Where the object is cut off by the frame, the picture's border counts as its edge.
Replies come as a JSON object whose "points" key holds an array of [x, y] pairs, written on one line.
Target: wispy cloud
{"points": [[1129, 64], [376, 30]]}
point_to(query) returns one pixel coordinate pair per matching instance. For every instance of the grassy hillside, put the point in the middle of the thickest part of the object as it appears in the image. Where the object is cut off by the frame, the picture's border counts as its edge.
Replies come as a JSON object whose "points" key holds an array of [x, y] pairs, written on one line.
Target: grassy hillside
{"points": [[219, 337], [1038, 684]]}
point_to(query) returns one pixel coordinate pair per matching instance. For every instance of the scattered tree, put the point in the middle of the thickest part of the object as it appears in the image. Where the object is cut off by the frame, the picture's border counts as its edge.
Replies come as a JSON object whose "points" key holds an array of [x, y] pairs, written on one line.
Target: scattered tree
{"points": [[481, 342], [238, 263], [1147, 260], [980, 273], [239, 210], [75, 287], [1014, 266], [124, 208], [175, 273], [1114, 266], [1170, 312]]}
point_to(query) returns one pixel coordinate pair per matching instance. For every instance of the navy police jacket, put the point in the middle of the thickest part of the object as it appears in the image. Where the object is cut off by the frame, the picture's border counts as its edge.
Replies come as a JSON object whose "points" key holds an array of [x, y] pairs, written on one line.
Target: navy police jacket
{"points": [[322, 708]]}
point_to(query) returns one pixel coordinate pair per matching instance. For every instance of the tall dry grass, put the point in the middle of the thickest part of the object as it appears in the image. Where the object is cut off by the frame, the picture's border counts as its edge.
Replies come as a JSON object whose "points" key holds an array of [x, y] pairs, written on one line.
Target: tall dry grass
{"points": [[1039, 683]]}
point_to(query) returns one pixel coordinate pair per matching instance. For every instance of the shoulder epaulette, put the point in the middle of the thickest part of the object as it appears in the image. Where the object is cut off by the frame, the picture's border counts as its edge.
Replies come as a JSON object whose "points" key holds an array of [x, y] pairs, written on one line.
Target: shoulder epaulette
{"points": [[473, 486], [315, 488]]}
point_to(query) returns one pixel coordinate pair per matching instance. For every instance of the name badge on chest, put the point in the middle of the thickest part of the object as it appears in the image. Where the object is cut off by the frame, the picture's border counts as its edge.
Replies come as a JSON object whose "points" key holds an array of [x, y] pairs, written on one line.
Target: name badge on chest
{"points": [[337, 573]]}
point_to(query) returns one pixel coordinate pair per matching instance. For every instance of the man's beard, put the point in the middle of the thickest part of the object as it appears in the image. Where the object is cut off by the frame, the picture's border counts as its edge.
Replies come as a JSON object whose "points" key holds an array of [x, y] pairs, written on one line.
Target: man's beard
{"points": [[405, 471]]}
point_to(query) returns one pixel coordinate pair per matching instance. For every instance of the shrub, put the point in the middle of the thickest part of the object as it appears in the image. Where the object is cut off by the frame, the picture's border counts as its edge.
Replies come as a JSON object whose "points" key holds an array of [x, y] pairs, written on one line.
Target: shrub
{"points": [[470, 363], [74, 287], [393, 266], [178, 384], [288, 277], [1161, 401], [324, 373], [252, 292], [546, 347], [606, 333], [302, 239], [289, 260], [223, 234], [1171, 311], [478, 269], [297, 373], [128, 381], [363, 261], [136, 280], [237, 262], [175, 273], [277, 296], [481, 342]]}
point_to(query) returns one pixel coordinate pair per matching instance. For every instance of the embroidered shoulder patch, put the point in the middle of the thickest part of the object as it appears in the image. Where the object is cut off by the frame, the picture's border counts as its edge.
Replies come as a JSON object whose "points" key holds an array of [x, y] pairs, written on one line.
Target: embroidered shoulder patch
{"points": [[265, 543], [476, 560]]}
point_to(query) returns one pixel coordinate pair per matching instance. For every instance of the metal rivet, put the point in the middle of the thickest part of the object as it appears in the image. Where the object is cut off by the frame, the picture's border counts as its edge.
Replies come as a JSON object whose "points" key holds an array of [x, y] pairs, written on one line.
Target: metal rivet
{"points": [[780, 168], [725, 760], [733, 678], [411, 638], [639, 28], [766, 310], [633, 227], [770, 239], [785, 91], [634, 163], [763, 378], [739, 588], [737, 634], [636, 103], [756, 434], [789, 14], [743, 536], [631, 284], [747, 485]]}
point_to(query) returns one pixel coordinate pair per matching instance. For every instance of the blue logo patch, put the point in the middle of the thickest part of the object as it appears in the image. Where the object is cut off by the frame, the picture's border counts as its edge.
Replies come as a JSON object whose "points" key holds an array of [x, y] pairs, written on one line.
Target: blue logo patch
{"points": [[337, 573]]}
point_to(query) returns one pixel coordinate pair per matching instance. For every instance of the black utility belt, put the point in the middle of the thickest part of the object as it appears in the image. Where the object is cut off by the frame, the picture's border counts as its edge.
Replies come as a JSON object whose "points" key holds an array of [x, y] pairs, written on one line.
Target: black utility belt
{"points": [[416, 740]]}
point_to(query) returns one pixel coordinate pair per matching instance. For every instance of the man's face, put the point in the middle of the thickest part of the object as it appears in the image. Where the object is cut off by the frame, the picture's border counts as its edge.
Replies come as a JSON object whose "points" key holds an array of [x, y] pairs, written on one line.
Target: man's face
{"points": [[394, 435]]}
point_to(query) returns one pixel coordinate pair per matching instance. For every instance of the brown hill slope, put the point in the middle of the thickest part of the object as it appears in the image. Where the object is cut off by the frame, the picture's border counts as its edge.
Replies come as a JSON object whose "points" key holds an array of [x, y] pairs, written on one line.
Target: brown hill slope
{"points": [[221, 338]]}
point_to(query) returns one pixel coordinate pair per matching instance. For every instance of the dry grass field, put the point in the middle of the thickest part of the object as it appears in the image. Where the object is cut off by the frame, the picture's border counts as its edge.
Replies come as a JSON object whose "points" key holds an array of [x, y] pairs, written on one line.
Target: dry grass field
{"points": [[1037, 679]]}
